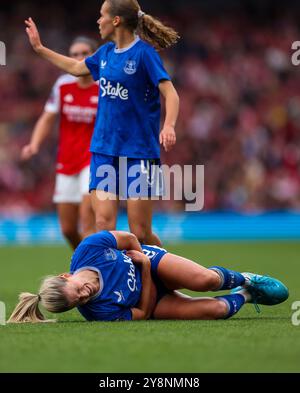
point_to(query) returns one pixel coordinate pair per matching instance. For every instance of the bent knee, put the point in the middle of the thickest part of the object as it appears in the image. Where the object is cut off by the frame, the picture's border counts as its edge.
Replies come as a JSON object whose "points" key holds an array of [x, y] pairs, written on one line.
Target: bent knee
{"points": [[220, 309], [105, 224]]}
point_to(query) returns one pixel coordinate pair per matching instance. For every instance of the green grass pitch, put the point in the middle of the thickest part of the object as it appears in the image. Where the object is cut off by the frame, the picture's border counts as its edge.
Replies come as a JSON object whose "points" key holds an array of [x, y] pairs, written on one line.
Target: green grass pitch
{"points": [[250, 342]]}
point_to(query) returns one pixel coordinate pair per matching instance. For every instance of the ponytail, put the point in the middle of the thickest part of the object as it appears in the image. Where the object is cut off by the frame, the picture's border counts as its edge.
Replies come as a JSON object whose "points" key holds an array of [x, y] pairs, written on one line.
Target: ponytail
{"points": [[146, 26], [27, 310], [156, 33], [52, 297]]}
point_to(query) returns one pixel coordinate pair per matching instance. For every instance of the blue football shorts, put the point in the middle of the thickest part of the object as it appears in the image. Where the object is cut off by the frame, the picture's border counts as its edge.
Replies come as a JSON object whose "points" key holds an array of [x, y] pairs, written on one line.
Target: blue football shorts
{"points": [[155, 255], [126, 177]]}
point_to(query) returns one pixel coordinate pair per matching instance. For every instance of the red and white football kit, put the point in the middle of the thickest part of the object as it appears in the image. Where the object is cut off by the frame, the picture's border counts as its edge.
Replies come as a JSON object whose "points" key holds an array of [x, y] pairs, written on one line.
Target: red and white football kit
{"points": [[77, 107]]}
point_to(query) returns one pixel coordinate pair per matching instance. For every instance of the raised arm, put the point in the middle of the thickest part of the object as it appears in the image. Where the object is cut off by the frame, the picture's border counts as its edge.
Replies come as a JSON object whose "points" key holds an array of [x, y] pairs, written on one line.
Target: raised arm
{"points": [[67, 64], [40, 132], [126, 241]]}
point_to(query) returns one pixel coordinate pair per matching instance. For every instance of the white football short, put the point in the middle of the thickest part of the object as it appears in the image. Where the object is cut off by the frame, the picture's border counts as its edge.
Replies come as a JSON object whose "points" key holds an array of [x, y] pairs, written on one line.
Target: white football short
{"points": [[71, 188]]}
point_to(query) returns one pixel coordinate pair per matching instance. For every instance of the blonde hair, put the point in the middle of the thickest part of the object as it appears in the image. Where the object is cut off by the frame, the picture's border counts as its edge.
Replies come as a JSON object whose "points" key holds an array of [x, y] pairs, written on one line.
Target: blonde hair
{"points": [[52, 297], [146, 26]]}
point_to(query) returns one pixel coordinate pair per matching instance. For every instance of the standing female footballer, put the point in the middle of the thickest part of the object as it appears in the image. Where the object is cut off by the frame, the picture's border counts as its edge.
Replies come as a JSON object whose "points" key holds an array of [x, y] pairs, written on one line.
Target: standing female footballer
{"points": [[75, 101], [108, 283], [131, 77]]}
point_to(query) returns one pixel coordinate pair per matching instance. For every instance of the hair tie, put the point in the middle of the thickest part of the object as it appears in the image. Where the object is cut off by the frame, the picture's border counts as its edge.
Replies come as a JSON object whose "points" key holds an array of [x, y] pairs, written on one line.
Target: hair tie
{"points": [[39, 297], [141, 14]]}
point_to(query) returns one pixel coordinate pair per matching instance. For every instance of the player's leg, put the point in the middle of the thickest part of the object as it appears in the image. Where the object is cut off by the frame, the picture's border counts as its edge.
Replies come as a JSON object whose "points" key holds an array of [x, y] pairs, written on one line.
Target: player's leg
{"points": [[140, 202], [140, 221], [179, 306], [104, 190], [177, 272], [86, 212], [87, 216], [68, 214], [67, 197], [105, 206]]}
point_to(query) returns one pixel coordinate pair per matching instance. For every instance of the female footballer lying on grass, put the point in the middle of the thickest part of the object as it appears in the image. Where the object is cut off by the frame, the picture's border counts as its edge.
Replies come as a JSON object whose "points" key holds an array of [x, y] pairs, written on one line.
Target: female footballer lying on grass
{"points": [[112, 277]]}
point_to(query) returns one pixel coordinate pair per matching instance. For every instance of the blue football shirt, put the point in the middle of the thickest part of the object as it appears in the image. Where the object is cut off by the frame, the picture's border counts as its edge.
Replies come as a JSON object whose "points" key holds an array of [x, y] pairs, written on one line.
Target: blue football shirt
{"points": [[120, 280], [128, 119]]}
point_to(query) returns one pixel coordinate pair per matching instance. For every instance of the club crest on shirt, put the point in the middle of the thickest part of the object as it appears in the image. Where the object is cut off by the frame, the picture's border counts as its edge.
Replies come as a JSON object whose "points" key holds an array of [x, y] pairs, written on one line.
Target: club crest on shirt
{"points": [[110, 254], [130, 67]]}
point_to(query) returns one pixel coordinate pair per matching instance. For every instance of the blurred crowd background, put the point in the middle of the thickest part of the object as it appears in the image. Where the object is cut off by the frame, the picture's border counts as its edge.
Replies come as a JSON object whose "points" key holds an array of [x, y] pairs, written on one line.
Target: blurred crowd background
{"points": [[240, 99]]}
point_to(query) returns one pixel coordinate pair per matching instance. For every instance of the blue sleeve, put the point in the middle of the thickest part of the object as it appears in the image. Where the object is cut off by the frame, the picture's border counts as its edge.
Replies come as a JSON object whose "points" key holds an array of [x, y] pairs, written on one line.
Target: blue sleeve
{"points": [[91, 248], [93, 64], [102, 239], [154, 67]]}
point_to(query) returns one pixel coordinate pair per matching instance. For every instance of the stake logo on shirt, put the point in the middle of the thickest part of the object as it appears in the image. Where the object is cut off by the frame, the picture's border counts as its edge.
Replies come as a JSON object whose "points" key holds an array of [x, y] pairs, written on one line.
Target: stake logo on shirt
{"points": [[107, 89], [130, 77], [131, 282]]}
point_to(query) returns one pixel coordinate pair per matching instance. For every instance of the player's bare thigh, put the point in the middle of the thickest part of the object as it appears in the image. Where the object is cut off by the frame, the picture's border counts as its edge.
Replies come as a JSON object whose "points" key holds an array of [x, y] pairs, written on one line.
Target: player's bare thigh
{"points": [[178, 272]]}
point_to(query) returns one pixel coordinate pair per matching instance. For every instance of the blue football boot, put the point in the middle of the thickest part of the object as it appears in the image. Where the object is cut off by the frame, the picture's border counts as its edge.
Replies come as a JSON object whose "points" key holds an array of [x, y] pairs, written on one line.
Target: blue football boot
{"points": [[263, 289]]}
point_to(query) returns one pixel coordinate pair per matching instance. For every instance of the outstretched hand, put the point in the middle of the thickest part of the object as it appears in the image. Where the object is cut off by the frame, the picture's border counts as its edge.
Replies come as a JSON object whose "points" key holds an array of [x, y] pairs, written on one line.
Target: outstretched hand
{"points": [[33, 34]]}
